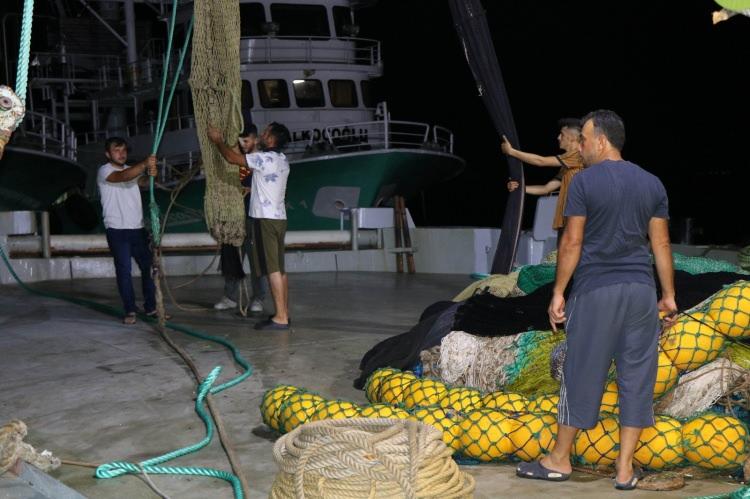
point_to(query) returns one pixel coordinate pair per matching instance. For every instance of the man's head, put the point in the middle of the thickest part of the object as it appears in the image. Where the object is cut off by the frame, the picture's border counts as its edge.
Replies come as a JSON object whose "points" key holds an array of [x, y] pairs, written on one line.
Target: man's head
{"points": [[570, 134], [116, 150], [275, 136], [248, 138], [602, 136]]}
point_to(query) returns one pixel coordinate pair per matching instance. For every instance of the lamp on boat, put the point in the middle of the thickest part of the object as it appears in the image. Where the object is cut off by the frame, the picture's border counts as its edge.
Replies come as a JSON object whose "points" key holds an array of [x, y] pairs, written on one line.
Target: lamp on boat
{"points": [[270, 28], [351, 30]]}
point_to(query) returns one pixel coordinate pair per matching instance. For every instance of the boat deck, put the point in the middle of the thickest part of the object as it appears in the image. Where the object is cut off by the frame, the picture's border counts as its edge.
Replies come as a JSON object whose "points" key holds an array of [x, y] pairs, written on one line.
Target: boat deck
{"points": [[92, 389]]}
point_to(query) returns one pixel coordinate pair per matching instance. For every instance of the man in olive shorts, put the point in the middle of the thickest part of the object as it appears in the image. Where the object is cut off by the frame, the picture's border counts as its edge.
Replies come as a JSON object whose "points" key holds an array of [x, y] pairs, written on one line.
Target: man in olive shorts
{"points": [[270, 170]]}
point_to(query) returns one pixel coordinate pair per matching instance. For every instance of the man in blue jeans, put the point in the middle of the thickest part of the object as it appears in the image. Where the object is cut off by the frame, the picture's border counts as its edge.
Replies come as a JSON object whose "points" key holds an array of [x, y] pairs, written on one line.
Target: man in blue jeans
{"points": [[122, 209]]}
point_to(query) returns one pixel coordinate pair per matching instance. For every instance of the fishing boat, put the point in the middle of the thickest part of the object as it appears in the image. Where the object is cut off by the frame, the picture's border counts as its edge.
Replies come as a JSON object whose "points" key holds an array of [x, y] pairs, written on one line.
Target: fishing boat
{"points": [[301, 64]]}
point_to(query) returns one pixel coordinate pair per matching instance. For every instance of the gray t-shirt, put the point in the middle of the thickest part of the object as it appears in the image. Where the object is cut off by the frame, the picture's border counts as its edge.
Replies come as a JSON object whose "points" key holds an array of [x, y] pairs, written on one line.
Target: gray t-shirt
{"points": [[618, 199]]}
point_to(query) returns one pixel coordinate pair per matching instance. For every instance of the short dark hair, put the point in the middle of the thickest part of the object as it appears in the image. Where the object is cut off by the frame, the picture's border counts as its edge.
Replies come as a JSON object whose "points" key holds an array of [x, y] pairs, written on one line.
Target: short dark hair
{"points": [[249, 130], [610, 124], [114, 141], [280, 133], [573, 123]]}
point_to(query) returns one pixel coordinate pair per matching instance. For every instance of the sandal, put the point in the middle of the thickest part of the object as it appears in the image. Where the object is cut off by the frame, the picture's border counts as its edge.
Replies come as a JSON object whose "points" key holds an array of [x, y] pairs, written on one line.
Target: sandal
{"points": [[155, 315], [129, 319], [535, 470], [630, 484]]}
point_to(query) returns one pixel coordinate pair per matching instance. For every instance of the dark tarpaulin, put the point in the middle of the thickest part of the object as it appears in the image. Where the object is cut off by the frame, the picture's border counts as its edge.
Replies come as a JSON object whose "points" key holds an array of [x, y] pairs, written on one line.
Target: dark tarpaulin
{"points": [[474, 35]]}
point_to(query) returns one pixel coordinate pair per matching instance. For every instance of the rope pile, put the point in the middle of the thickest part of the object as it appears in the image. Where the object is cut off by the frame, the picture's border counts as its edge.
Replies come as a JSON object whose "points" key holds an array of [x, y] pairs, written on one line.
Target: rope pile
{"points": [[215, 85], [13, 448], [350, 458]]}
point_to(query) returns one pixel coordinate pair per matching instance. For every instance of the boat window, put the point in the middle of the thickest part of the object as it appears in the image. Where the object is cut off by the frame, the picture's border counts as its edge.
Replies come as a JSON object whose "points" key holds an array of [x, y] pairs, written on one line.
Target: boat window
{"points": [[300, 20], [308, 93], [369, 93], [342, 16], [252, 18], [343, 93], [273, 93], [247, 95]]}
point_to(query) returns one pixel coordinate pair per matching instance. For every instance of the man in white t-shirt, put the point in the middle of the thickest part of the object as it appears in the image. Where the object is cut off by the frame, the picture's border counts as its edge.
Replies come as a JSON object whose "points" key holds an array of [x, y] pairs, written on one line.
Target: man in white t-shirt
{"points": [[122, 209], [270, 170]]}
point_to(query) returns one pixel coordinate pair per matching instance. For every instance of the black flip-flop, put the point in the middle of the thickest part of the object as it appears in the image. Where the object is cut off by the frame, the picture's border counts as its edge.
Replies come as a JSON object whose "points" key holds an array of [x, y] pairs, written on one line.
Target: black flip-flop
{"points": [[630, 484], [270, 325], [535, 470]]}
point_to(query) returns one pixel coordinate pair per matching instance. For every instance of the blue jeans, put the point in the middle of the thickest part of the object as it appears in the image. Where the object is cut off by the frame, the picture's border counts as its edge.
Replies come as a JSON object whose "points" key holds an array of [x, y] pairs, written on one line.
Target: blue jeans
{"points": [[124, 244]]}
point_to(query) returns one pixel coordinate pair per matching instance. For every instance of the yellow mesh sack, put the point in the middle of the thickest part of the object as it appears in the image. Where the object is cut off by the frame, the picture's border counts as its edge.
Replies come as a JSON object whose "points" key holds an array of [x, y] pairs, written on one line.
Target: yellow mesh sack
{"points": [[544, 403], [272, 401], [535, 435], [660, 445], [392, 388], [424, 392], [505, 401], [730, 309], [335, 409], [297, 409], [372, 385], [610, 400], [383, 411], [715, 442], [462, 399], [666, 375], [691, 342], [445, 420], [600, 444], [485, 435]]}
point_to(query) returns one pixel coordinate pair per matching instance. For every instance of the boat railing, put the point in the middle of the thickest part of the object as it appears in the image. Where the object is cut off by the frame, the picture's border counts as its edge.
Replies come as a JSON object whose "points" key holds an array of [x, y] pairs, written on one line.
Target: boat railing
{"points": [[295, 49], [75, 70], [148, 127], [388, 134], [47, 134]]}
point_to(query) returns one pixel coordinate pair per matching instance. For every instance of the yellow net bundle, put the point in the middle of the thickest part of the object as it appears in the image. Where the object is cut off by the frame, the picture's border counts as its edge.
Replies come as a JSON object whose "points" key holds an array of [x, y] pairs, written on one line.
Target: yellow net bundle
{"points": [[215, 86]]}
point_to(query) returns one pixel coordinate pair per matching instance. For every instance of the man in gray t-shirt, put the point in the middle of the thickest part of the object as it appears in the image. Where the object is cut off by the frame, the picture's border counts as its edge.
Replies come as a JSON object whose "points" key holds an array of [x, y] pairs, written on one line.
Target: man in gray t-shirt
{"points": [[614, 210]]}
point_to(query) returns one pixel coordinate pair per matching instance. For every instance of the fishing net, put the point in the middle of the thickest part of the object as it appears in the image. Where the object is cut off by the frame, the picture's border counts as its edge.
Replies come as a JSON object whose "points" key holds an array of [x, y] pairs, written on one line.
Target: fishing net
{"points": [[215, 86], [599, 445], [660, 445], [534, 436], [610, 400], [701, 265], [692, 341], [743, 258], [392, 388], [666, 375], [500, 285], [335, 409], [445, 420], [533, 277], [485, 435], [730, 309], [529, 374], [714, 441], [544, 403], [273, 399], [462, 399], [379, 411], [471, 360], [297, 409], [505, 401], [424, 392], [372, 385]]}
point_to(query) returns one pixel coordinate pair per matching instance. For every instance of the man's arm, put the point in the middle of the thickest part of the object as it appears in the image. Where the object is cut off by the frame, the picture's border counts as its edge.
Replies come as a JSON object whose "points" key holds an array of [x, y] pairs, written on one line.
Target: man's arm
{"points": [[232, 156], [658, 234], [527, 157], [568, 256], [541, 190], [134, 171]]}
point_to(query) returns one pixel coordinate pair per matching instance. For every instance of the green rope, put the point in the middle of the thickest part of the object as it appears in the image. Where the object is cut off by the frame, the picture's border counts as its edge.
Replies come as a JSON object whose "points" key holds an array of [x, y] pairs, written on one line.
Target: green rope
{"points": [[24, 49], [741, 493], [119, 468]]}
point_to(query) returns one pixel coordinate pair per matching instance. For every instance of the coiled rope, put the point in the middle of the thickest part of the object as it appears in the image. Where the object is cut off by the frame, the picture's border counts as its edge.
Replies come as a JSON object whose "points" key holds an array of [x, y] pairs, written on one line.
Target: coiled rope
{"points": [[361, 457]]}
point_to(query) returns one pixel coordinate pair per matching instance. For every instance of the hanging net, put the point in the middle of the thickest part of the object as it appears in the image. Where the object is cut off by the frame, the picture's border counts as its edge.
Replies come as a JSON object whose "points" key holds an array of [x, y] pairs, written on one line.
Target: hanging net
{"points": [[215, 85]]}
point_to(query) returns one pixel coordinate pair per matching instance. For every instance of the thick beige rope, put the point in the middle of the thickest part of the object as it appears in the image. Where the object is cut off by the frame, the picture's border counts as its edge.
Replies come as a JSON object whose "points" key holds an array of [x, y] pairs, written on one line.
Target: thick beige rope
{"points": [[361, 457], [13, 448]]}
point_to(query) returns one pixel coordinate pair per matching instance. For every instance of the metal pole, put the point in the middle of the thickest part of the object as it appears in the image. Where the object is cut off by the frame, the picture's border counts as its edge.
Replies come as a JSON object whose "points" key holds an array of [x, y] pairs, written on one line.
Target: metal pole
{"points": [[46, 250], [354, 219], [130, 35]]}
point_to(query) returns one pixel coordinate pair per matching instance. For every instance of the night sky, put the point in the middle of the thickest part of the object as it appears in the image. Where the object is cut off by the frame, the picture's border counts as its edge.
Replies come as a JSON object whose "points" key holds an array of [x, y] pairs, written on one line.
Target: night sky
{"points": [[675, 78]]}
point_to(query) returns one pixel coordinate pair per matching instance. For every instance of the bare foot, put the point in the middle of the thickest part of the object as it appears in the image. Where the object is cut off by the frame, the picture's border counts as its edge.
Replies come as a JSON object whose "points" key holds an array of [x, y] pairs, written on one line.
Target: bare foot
{"points": [[563, 465]]}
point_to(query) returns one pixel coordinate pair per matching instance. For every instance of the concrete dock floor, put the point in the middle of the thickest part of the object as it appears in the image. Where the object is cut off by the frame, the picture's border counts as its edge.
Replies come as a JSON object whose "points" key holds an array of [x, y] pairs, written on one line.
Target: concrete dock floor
{"points": [[92, 389]]}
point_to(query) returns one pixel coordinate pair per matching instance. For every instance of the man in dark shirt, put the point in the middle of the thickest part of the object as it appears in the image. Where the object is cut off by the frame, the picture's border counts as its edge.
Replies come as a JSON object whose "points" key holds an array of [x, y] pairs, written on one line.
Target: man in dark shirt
{"points": [[614, 209]]}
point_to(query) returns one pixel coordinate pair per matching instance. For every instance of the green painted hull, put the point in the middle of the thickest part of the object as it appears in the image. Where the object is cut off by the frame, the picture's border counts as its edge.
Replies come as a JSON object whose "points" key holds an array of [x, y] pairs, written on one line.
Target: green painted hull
{"points": [[376, 175]]}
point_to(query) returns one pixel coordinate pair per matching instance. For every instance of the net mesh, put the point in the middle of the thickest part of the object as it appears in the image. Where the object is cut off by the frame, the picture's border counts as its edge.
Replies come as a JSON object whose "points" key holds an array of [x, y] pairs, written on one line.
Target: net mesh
{"points": [[297, 409], [273, 399], [215, 86], [716, 442]]}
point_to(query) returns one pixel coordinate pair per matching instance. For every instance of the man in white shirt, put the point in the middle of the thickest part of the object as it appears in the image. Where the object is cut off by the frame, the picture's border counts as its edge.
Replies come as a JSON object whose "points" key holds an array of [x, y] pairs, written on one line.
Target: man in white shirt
{"points": [[270, 170], [122, 209]]}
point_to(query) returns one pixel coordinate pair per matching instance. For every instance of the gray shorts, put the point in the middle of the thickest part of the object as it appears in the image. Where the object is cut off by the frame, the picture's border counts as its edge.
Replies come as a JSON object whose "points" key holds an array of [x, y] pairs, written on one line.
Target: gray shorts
{"points": [[619, 322]]}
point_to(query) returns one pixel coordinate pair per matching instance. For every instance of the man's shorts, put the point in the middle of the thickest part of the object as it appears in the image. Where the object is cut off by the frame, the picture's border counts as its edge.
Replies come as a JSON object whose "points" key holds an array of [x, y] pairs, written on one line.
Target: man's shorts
{"points": [[619, 322], [268, 246]]}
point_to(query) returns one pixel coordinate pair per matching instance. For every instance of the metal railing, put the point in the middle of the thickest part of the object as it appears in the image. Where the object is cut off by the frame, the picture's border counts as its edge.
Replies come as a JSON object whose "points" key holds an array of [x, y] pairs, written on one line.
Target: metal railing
{"points": [[388, 134], [148, 127], [46, 134], [286, 49]]}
